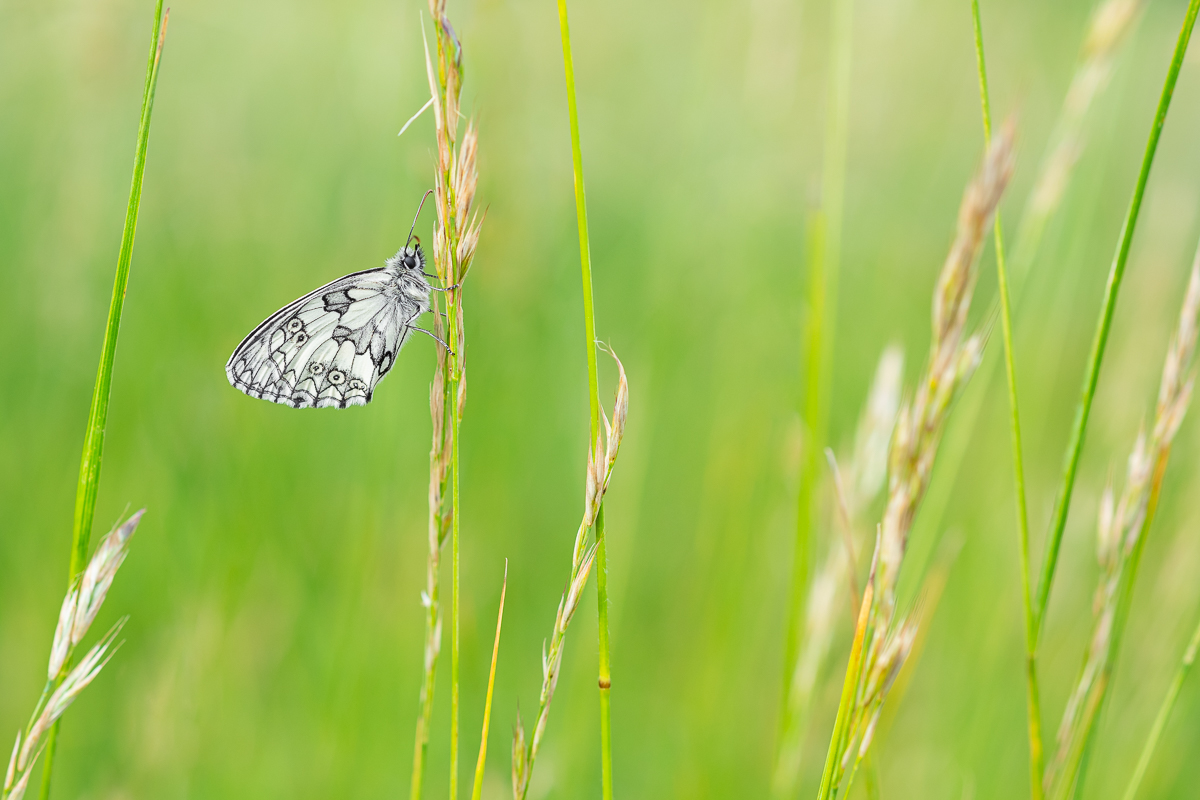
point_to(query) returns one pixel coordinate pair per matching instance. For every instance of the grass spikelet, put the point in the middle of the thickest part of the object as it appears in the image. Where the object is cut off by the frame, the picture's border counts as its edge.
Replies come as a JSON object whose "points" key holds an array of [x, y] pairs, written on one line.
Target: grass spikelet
{"points": [[602, 458], [455, 237], [883, 642], [863, 481], [64, 684], [1121, 533]]}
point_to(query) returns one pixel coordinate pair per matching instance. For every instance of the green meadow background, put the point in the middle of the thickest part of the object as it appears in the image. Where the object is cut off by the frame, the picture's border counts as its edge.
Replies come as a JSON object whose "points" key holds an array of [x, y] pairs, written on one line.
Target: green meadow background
{"points": [[275, 633]]}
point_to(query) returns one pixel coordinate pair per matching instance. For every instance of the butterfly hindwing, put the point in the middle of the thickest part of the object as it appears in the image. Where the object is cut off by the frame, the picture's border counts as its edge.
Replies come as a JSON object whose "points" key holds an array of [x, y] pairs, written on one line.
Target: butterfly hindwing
{"points": [[330, 347]]}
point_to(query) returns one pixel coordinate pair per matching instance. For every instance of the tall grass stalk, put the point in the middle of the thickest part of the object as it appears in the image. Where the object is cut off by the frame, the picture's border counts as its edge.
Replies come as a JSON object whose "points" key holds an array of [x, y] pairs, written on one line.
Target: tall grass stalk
{"points": [[589, 331], [883, 639], [1104, 323], [825, 249], [1031, 685], [1122, 530], [455, 237], [93, 443], [1164, 713]]}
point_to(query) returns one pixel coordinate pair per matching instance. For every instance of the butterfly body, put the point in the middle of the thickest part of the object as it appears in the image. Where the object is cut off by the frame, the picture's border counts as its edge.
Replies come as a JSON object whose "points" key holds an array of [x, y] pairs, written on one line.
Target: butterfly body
{"points": [[331, 347]]}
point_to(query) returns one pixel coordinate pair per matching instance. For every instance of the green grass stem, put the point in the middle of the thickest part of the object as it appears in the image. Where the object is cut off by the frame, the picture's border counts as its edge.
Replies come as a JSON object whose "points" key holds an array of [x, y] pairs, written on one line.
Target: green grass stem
{"points": [[589, 326], [1104, 323], [1164, 713], [93, 443], [1032, 694]]}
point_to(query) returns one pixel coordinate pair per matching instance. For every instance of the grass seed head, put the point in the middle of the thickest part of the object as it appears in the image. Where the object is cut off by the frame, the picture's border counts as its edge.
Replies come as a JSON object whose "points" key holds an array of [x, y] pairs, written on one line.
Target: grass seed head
{"points": [[98, 577]]}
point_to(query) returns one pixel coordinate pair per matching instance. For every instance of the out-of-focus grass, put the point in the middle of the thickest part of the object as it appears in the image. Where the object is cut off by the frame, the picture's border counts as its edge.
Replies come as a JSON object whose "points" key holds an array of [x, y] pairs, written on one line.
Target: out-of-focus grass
{"points": [[276, 631]]}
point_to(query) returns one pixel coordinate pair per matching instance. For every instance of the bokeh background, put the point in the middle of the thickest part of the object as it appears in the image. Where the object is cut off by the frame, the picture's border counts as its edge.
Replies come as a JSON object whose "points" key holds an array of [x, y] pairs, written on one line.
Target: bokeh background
{"points": [[274, 645]]}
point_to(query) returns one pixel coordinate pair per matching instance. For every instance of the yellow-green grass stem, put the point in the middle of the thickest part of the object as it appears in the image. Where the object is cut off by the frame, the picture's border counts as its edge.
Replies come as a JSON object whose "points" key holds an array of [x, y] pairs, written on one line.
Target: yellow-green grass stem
{"points": [[1164, 713], [589, 324], [477, 789], [837, 744], [93, 443], [825, 240], [1104, 323], [1032, 694]]}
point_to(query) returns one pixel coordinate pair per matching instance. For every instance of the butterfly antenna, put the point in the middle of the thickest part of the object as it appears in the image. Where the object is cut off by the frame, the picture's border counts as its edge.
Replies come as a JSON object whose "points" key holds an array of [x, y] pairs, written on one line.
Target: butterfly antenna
{"points": [[414, 225]]}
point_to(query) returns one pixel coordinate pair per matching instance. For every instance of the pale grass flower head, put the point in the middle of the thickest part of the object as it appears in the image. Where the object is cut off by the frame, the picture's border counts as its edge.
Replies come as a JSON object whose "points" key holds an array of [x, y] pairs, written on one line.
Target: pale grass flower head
{"points": [[98, 577]]}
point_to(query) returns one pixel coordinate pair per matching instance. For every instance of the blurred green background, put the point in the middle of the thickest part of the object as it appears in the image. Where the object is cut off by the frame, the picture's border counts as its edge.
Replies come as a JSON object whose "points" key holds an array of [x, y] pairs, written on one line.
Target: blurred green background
{"points": [[274, 646]]}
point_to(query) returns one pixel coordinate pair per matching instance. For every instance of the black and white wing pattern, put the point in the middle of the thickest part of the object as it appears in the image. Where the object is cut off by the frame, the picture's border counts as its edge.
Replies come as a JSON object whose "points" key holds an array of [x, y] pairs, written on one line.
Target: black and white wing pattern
{"points": [[333, 346]]}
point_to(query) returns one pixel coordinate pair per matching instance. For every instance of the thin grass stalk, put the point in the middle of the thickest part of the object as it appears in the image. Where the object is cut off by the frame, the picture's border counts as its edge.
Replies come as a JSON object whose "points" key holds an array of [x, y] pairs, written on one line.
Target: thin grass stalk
{"points": [[1104, 323], [1032, 695], [93, 443], [439, 523], [1110, 26], [825, 238], [604, 680], [1164, 713], [477, 788]]}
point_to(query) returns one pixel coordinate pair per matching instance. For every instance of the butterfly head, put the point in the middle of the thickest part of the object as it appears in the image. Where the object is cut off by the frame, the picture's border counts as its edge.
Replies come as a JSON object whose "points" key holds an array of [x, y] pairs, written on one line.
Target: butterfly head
{"points": [[410, 257]]}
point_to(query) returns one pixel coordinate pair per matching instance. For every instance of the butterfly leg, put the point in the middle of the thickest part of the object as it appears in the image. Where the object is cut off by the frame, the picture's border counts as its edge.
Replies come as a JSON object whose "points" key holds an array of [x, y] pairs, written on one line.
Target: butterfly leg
{"points": [[433, 336], [436, 289]]}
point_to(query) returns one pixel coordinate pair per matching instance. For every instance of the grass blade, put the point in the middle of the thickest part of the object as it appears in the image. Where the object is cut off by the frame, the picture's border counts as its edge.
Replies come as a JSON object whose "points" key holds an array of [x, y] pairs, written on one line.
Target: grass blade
{"points": [[93, 443], [1104, 323]]}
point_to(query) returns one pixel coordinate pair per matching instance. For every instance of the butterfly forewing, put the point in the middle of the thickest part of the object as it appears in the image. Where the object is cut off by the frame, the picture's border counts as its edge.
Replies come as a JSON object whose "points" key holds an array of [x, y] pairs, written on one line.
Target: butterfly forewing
{"points": [[331, 347]]}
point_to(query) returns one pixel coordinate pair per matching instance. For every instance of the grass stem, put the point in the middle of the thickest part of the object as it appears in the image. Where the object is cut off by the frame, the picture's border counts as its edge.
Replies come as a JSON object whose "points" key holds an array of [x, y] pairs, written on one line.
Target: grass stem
{"points": [[1104, 325], [589, 325], [1034, 705], [93, 444]]}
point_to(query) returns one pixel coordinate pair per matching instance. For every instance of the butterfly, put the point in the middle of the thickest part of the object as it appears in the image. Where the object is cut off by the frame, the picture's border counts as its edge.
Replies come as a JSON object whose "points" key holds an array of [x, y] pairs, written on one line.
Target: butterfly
{"points": [[333, 346]]}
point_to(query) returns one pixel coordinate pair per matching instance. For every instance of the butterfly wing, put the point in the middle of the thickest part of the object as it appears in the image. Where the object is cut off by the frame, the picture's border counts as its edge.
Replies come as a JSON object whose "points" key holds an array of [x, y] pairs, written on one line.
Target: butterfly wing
{"points": [[330, 348]]}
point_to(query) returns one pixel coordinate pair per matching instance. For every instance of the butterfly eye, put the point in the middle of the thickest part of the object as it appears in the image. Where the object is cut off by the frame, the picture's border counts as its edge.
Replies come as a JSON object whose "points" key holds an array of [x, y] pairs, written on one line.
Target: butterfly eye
{"points": [[410, 262], [300, 338], [316, 368], [294, 325], [336, 377]]}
